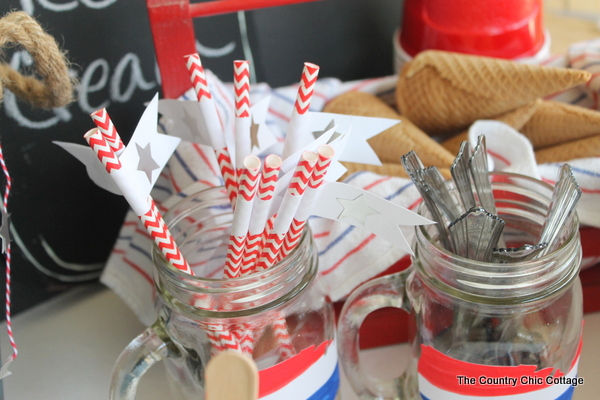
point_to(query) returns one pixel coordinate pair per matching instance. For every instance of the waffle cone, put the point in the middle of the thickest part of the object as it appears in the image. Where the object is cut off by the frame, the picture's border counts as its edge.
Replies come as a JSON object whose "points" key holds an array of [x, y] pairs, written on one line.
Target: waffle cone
{"points": [[554, 123], [387, 169], [516, 118], [582, 148], [393, 143], [446, 92]]}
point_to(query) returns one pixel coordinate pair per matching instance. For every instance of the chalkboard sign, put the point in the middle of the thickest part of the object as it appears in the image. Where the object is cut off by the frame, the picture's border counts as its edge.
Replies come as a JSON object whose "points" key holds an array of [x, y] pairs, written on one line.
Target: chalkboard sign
{"points": [[63, 226]]}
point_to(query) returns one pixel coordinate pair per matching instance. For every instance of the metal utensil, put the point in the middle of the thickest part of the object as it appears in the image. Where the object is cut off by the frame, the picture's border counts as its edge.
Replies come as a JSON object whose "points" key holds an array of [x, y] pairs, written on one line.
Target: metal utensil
{"points": [[564, 199], [478, 164], [516, 254], [462, 176], [413, 166], [476, 233], [440, 193]]}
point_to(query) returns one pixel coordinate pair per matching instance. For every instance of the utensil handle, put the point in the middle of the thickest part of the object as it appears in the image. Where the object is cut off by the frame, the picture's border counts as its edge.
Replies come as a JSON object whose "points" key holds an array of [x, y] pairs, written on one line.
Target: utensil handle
{"points": [[387, 291], [144, 351]]}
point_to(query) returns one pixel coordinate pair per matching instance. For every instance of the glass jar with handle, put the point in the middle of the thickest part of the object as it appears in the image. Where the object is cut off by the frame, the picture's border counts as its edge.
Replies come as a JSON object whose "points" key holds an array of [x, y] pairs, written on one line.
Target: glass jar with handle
{"points": [[480, 329], [277, 316]]}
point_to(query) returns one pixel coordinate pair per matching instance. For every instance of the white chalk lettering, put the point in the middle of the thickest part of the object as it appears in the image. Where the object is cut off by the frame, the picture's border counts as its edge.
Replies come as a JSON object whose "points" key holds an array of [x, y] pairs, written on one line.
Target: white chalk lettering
{"points": [[136, 79], [86, 87], [29, 7]]}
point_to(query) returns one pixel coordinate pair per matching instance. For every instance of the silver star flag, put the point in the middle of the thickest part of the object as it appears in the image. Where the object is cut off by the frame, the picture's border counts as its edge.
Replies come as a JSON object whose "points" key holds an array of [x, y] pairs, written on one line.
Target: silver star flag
{"points": [[347, 203]]}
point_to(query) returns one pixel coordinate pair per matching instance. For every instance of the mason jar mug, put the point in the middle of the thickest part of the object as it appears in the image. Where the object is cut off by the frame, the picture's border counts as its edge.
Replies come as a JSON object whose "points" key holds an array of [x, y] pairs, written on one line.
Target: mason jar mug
{"points": [[480, 329], [277, 316]]}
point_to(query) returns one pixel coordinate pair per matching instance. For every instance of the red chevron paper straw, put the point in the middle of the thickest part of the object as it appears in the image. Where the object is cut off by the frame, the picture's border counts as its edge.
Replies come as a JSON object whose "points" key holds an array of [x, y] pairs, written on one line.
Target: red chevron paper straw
{"points": [[260, 211], [142, 207], [107, 128], [250, 175], [297, 135], [317, 178], [287, 209], [241, 85], [213, 124], [222, 339], [245, 337], [285, 347]]}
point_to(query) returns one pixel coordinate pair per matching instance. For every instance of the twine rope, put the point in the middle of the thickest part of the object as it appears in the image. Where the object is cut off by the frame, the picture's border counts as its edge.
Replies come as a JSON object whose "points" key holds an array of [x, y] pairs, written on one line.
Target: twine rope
{"points": [[55, 87]]}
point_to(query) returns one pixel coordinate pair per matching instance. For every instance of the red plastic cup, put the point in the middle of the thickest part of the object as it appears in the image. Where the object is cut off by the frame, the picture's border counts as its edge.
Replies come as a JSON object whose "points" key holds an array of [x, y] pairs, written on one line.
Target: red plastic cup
{"points": [[510, 29]]}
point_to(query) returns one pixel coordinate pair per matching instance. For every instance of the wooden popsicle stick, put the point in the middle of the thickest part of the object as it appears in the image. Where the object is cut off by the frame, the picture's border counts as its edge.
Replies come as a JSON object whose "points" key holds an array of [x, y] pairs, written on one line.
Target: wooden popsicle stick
{"points": [[231, 375]]}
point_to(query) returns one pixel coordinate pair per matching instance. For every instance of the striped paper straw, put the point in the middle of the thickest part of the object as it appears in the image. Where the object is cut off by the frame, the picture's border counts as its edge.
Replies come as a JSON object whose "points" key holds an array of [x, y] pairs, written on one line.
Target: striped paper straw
{"points": [[285, 347], [241, 85], [245, 337], [297, 135], [287, 210], [317, 178], [107, 129], [250, 175], [260, 211], [213, 125], [221, 338], [142, 207]]}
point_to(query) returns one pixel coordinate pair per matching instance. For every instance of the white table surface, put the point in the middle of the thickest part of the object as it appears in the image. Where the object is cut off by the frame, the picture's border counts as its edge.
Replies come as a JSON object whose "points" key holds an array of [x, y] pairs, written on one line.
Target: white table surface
{"points": [[67, 347]]}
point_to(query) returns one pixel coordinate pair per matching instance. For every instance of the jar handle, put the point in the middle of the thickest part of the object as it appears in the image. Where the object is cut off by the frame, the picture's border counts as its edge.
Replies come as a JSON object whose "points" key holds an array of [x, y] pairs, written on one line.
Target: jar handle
{"points": [[144, 351], [387, 291]]}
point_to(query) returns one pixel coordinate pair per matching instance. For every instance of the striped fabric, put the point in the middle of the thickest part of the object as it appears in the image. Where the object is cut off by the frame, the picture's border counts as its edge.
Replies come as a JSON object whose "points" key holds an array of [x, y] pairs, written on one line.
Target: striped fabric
{"points": [[348, 256]]}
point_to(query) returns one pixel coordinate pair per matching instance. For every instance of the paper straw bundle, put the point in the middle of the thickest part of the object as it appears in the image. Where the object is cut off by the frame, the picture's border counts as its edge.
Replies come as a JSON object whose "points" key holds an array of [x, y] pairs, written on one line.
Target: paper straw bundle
{"points": [[260, 232]]}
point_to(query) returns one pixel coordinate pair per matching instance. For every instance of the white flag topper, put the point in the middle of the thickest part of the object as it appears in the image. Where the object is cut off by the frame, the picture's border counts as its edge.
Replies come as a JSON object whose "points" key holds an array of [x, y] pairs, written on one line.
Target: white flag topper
{"points": [[347, 203], [144, 158], [359, 130]]}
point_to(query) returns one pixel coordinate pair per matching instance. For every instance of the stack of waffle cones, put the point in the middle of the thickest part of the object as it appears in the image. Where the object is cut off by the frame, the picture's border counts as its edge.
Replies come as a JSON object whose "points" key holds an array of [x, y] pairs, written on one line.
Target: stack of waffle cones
{"points": [[440, 94]]}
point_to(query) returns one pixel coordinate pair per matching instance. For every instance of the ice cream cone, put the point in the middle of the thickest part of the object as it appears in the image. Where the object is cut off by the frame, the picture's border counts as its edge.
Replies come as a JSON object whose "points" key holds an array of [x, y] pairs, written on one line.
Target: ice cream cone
{"points": [[582, 148], [516, 118], [554, 123], [446, 92], [387, 169], [391, 144]]}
